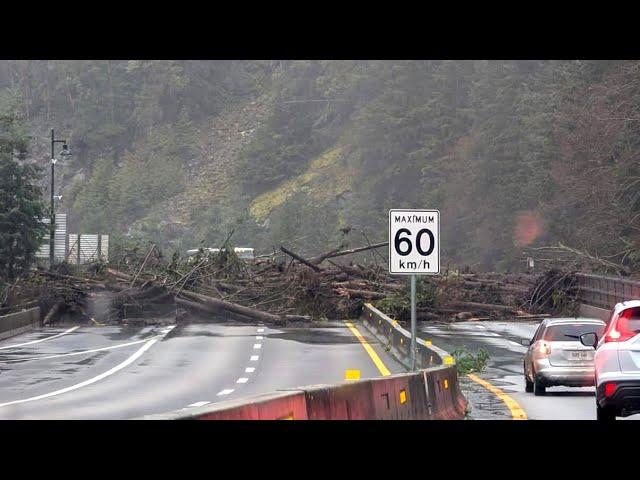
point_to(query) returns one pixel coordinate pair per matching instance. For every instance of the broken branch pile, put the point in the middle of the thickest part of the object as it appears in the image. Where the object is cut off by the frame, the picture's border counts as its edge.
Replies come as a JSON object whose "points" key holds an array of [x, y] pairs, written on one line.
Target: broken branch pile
{"points": [[287, 286]]}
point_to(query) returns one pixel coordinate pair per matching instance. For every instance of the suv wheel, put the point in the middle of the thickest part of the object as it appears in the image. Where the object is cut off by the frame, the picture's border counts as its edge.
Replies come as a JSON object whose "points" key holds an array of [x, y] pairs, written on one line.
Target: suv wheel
{"points": [[605, 414], [528, 384], [538, 388]]}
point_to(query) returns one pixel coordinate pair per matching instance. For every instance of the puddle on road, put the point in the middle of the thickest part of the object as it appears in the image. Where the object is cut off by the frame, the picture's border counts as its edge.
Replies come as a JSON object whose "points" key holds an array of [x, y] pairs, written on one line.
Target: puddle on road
{"points": [[316, 337], [89, 360], [201, 333]]}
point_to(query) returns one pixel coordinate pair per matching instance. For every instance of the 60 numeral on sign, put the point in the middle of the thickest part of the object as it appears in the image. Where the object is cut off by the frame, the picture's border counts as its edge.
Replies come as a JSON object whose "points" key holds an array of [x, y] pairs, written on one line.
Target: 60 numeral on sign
{"points": [[398, 241]]}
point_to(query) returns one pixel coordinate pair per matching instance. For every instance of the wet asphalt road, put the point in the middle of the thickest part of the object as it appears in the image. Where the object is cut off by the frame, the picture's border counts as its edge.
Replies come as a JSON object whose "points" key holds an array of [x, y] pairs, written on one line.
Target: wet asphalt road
{"points": [[505, 371], [115, 372]]}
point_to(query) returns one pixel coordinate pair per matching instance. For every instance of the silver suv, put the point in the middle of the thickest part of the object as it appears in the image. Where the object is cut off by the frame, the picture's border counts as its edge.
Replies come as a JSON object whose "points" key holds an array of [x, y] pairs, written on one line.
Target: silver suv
{"points": [[556, 356], [617, 362]]}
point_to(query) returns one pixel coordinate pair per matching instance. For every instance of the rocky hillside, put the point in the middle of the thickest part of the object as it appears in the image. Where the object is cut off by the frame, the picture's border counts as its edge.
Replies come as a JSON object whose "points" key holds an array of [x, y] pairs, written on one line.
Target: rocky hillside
{"points": [[516, 154]]}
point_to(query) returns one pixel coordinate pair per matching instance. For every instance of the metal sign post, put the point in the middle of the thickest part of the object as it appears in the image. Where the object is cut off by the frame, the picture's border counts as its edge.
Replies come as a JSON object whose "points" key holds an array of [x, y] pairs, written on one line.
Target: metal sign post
{"points": [[414, 345], [414, 249]]}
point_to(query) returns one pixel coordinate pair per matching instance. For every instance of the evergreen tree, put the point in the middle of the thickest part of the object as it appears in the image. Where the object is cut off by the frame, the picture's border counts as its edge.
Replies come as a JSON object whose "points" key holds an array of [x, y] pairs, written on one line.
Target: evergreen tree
{"points": [[21, 208]]}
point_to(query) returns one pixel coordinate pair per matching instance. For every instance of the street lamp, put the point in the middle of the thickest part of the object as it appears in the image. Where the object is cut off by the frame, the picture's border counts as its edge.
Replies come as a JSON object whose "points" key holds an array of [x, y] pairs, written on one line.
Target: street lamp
{"points": [[52, 230]]}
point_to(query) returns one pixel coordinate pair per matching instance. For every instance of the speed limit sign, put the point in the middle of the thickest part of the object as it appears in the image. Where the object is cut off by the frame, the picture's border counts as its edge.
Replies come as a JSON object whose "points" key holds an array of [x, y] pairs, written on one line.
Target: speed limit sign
{"points": [[414, 242]]}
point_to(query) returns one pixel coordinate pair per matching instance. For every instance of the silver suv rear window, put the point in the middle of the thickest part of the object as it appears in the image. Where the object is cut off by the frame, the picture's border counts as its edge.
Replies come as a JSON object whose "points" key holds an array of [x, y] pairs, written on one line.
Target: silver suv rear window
{"points": [[570, 332]]}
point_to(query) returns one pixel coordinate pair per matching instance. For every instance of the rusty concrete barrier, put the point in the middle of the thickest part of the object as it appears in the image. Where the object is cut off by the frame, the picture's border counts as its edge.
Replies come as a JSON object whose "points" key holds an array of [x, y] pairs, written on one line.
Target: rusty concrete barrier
{"points": [[424, 395], [19, 322], [284, 405], [432, 393]]}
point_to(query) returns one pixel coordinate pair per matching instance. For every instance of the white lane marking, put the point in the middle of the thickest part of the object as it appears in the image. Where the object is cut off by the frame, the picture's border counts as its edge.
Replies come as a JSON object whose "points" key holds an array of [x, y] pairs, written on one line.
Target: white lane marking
{"points": [[242, 380], [226, 391], [259, 337], [249, 369], [97, 378], [254, 358], [257, 346], [118, 367], [198, 404], [77, 353], [260, 330], [42, 339]]}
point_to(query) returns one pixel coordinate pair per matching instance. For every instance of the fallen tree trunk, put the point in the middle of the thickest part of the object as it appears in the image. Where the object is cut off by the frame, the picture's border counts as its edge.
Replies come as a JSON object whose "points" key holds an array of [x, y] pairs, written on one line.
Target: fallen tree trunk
{"points": [[232, 307], [366, 294], [336, 253], [52, 312], [482, 306], [301, 260]]}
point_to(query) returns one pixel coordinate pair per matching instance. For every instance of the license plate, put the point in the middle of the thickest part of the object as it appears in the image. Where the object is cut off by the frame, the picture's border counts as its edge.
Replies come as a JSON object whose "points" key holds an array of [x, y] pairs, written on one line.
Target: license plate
{"points": [[579, 356]]}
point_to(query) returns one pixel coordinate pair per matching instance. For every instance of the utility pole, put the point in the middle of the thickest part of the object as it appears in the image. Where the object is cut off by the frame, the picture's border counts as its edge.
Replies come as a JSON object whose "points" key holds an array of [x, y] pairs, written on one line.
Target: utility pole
{"points": [[52, 227]]}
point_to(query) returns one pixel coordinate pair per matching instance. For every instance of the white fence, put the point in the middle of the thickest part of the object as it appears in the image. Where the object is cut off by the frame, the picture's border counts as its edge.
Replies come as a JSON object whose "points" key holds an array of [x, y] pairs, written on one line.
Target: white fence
{"points": [[85, 248], [59, 239], [74, 248]]}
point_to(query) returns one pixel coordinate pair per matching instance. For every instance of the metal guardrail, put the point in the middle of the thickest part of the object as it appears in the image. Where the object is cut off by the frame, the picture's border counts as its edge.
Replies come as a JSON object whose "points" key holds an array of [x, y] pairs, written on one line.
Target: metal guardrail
{"points": [[604, 292], [398, 340]]}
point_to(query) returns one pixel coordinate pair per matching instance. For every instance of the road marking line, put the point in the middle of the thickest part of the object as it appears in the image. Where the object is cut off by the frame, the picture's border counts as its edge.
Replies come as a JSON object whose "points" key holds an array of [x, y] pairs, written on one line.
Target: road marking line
{"points": [[257, 346], [260, 330], [384, 371], [198, 404], [517, 413], [254, 358], [42, 339], [242, 380], [118, 367], [113, 347], [259, 337], [226, 391], [249, 369]]}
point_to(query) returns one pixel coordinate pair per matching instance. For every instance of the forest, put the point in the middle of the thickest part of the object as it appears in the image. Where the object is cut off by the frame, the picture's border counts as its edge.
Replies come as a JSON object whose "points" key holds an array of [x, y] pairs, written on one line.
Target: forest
{"points": [[516, 155]]}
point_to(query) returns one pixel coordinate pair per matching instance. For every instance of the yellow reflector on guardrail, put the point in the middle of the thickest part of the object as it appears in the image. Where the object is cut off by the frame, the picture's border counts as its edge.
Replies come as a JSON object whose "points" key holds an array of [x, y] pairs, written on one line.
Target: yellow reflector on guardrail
{"points": [[352, 374]]}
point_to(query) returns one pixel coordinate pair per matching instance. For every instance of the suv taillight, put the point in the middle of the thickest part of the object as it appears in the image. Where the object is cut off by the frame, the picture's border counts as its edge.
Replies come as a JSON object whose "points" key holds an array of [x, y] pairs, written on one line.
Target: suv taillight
{"points": [[610, 389], [544, 348], [618, 330]]}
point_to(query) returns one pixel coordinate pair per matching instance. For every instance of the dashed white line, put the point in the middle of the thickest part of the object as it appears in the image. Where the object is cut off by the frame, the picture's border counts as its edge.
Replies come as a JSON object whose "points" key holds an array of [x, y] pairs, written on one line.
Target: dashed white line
{"points": [[42, 339], [254, 358], [259, 337], [260, 330], [242, 380], [199, 404], [226, 391], [257, 346], [249, 369]]}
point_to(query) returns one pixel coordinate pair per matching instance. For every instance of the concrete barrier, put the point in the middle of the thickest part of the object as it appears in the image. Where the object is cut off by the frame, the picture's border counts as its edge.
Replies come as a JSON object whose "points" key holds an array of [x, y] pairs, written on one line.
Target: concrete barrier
{"points": [[429, 394], [19, 322], [590, 311]]}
